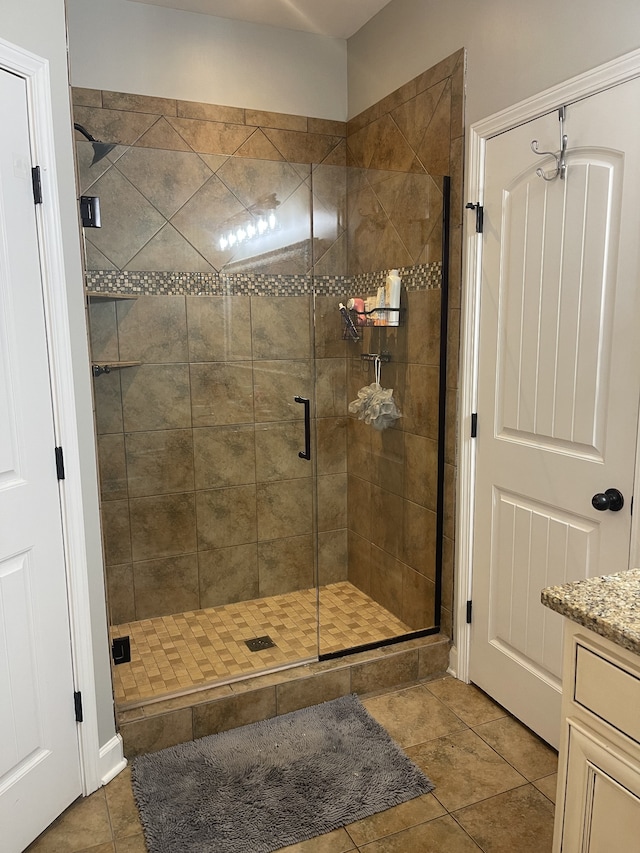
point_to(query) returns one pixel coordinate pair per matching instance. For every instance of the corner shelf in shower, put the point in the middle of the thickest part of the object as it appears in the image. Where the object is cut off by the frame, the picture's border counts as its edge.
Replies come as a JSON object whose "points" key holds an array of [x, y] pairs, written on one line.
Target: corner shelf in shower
{"points": [[99, 369], [99, 296]]}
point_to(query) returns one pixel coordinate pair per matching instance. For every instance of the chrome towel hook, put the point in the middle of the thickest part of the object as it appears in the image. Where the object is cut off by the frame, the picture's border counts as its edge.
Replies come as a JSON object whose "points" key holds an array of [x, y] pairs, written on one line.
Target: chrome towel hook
{"points": [[561, 165]]}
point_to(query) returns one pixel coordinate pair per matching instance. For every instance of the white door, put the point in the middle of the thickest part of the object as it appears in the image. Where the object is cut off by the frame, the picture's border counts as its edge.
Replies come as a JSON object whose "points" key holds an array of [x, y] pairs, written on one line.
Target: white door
{"points": [[39, 756], [558, 387]]}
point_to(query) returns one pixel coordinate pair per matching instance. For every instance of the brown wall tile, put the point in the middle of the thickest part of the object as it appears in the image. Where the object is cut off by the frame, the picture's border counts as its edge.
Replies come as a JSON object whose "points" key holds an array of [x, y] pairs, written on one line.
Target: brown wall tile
{"points": [[386, 581], [226, 517], [301, 693], [113, 125], [418, 600], [433, 660], [277, 452], [275, 385], [219, 328], [210, 112], [116, 531], [153, 733], [262, 118], [166, 586], [327, 127], [138, 103], [103, 330], [113, 468], [163, 526], [120, 594], [228, 713], [159, 462], [359, 564], [284, 508], [86, 97], [108, 402], [396, 669], [224, 456], [332, 556], [221, 393], [211, 137], [280, 325], [228, 575], [285, 565], [155, 396], [332, 501], [331, 445]]}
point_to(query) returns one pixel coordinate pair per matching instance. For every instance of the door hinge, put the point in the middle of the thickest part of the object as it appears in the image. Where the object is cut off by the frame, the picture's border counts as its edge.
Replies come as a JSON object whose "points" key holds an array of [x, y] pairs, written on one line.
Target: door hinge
{"points": [[77, 702], [474, 425], [59, 463], [469, 606], [479, 209], [37, 185]]}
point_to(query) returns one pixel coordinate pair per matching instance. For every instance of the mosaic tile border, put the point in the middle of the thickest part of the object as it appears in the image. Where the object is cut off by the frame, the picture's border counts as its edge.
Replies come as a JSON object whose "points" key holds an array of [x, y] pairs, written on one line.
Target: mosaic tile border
{"points": [[419, 277]]}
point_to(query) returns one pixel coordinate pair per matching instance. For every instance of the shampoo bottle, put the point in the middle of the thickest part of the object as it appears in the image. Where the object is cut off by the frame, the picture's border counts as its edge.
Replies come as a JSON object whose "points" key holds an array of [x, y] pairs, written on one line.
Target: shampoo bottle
{"points": [[392, 298]]}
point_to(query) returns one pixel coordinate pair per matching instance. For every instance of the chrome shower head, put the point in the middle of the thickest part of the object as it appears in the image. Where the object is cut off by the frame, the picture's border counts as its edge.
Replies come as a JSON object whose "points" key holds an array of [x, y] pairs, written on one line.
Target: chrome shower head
{"points": [[100, 149]]}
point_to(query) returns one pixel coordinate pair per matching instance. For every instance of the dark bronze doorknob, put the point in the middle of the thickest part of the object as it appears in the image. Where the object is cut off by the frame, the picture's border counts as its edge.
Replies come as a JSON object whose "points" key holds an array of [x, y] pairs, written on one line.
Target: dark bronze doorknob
{"points": [[611, 499]]}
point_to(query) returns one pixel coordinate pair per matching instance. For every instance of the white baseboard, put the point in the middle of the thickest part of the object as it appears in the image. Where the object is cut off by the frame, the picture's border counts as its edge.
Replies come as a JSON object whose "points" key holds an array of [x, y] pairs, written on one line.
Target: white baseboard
{"points": [[453, 662], [111, 760]]}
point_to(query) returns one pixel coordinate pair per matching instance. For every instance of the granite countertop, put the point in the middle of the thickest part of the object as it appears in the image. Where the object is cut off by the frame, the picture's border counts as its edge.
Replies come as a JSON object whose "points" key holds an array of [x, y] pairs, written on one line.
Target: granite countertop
{"points": [[608, 605]]}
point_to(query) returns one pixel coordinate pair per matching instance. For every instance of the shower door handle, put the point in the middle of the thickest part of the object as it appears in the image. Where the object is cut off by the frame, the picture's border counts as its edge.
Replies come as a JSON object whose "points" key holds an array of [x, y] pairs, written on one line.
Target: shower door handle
{"points": [[306, 453]]}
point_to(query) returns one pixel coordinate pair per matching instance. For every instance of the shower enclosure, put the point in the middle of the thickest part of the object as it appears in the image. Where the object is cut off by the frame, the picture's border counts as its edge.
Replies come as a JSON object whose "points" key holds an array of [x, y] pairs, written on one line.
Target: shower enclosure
{"points": [[250, 521]]}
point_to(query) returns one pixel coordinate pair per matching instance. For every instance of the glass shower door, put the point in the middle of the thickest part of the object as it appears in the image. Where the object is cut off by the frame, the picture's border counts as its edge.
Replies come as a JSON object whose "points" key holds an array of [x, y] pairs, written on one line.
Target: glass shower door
{"points": [[201, 321], [380, 491]]}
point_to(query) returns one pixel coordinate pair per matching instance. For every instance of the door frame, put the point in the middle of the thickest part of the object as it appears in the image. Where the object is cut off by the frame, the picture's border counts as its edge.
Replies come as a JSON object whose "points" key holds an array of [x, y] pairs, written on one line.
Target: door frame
{"points": [[97, 765], [620, 70]]}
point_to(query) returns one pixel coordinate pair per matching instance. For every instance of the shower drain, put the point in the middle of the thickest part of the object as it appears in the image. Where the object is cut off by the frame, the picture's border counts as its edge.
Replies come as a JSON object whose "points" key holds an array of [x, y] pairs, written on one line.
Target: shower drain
{"points": [[258, 643]]}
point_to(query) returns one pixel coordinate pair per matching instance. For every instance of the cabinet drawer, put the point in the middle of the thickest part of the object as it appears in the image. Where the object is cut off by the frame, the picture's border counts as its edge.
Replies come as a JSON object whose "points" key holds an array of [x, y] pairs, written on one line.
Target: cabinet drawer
{"points": [[608, 691]]}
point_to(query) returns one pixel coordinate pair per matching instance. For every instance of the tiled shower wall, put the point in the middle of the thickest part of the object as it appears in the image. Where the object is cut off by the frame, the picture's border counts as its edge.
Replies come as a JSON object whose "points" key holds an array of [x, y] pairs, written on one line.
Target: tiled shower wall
{"points": [[198, 476], [391, 147]]}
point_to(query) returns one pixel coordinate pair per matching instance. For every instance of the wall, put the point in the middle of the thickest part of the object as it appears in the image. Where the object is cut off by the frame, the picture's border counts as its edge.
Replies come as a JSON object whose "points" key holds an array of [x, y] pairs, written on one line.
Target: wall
{"points": [[204, 498], [151, 50], [397, 150], [202, 433], [514, 50], [40, 28]]}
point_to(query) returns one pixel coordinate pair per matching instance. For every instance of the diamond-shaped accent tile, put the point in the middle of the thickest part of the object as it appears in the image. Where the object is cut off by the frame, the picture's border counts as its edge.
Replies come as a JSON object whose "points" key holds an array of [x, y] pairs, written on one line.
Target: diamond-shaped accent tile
{"points": [[128, 219], [202, 217], [167, 178], [169, 251]]}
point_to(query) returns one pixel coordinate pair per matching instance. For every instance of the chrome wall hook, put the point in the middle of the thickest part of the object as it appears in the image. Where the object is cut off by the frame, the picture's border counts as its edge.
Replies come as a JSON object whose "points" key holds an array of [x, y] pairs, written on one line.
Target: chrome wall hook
{"points": [[561, 165]]}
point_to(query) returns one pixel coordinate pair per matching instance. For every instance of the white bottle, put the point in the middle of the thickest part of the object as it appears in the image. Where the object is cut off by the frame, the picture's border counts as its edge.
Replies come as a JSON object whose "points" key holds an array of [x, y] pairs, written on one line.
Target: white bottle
{"points": [[392, 298], [380, 316]]}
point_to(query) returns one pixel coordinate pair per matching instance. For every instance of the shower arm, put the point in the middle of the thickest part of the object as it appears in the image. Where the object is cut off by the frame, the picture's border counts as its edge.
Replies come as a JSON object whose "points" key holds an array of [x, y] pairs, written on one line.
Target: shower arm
{"points": [[100, 149], [84, 132]]}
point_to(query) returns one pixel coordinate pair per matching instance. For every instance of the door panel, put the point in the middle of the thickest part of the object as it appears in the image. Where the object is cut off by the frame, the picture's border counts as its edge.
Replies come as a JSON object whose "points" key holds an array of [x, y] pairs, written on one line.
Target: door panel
{"points": [[556, 314], [558, 388], [527, 535], [39, 761]]}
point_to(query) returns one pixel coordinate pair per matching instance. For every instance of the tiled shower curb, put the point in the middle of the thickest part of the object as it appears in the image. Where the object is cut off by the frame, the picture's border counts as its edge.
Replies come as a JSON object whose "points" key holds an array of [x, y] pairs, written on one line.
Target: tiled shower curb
{"points": [[157, 725]]}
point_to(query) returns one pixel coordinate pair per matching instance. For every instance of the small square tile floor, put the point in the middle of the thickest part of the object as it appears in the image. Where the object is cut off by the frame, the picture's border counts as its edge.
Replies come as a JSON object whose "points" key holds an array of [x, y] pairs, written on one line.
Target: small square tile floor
{"points": [[495, 786], [174, 654]]}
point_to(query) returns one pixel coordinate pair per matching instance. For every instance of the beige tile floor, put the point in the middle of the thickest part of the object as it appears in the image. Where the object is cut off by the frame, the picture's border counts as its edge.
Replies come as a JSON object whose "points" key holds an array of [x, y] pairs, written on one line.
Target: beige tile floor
{"points": [[173, 654], [495, 787]]}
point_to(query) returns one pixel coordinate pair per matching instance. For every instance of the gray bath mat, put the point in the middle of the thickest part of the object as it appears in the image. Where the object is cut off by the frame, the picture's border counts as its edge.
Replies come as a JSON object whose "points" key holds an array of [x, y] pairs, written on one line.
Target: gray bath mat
{"points": [[261, 787]]}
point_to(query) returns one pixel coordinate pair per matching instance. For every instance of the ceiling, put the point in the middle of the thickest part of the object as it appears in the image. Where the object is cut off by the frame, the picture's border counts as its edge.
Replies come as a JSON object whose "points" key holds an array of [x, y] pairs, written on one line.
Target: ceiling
{"points": [[338, 18]]}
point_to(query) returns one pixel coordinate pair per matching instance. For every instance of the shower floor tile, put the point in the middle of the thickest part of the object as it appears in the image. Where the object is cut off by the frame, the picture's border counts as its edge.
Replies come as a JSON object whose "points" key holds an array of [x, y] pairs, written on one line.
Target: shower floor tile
{"points": [[174, 654]]}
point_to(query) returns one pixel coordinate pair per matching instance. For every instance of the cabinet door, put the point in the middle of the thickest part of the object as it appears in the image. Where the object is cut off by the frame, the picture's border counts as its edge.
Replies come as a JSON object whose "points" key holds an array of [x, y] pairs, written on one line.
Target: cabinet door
{"points": [[602, 796]]}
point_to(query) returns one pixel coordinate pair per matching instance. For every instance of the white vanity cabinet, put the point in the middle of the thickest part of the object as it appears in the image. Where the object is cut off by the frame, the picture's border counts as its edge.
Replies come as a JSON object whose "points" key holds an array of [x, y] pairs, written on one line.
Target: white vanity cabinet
{"points": [[598, 802]]}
